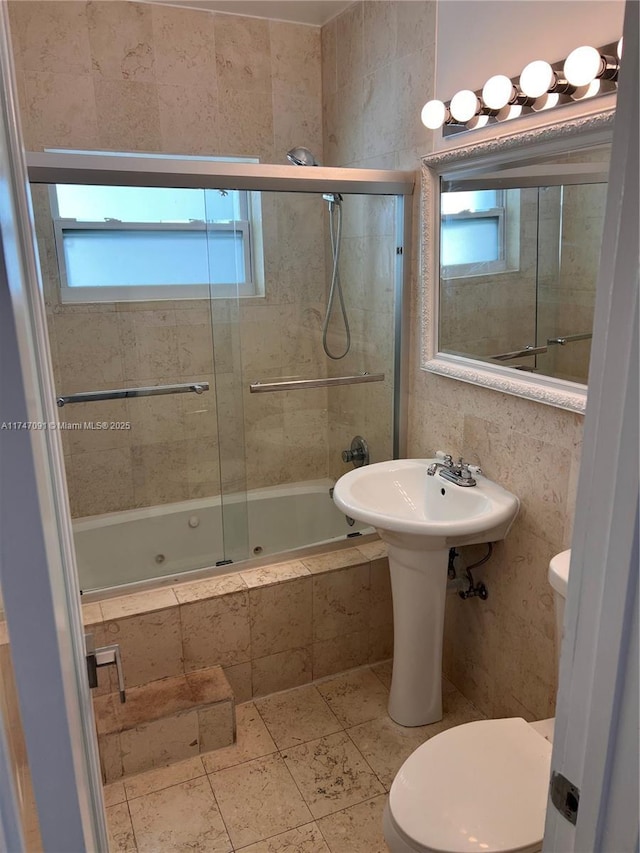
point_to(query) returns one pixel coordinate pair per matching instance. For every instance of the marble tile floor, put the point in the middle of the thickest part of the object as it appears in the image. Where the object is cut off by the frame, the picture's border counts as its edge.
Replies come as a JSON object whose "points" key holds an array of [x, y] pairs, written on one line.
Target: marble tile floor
{"points": [[309, 773]]}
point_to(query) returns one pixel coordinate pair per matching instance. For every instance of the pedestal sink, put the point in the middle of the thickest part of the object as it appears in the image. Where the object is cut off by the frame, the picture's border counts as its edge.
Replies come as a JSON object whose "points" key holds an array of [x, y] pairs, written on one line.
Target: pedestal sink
{"points": [[421, 517]]}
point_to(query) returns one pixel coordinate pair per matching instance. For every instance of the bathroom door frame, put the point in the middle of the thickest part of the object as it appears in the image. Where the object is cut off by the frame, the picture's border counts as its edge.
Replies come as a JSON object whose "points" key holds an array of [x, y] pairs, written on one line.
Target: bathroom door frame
{"points": [[38, 575], [596, 733]]}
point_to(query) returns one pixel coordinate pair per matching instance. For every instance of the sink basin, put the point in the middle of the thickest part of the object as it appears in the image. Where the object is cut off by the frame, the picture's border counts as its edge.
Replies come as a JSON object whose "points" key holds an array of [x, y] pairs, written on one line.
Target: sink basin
{"points": [[421, 517], [398, 497]]}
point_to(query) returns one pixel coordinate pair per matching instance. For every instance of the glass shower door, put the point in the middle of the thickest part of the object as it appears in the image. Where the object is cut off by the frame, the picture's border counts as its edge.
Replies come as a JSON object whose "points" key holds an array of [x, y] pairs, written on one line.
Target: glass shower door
{"points": [[231, 218], [126, 282], [279, 390]]}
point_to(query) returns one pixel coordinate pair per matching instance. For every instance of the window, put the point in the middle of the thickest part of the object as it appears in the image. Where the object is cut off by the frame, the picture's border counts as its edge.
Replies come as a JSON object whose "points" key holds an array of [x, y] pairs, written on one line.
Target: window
{"points": [[134, 243], [473, 238]]}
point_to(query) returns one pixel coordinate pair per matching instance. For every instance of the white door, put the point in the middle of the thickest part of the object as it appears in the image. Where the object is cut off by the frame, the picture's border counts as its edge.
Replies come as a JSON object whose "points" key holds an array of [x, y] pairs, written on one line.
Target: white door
{"points": [[596, 736], [43, 655]]}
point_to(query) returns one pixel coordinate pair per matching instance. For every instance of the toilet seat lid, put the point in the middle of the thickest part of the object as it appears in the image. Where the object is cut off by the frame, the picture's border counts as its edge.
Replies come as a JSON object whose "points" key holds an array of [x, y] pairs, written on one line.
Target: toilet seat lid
{"points": [[477, 787]]}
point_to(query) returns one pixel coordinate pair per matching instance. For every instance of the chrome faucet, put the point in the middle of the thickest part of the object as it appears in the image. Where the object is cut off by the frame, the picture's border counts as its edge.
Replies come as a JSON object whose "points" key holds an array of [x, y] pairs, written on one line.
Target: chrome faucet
{"points": [[447, 462], [460, 474]]}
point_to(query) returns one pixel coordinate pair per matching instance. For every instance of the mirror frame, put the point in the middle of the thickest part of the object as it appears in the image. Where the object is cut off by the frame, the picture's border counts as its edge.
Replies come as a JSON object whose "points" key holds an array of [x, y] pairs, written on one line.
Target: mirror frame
{"points": [[495, 153]]}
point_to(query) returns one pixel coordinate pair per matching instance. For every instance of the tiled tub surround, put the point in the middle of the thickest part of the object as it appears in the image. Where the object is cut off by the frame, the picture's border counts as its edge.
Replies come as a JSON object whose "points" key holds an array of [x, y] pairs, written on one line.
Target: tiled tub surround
{"points": [[309, 773], [269, 628]]}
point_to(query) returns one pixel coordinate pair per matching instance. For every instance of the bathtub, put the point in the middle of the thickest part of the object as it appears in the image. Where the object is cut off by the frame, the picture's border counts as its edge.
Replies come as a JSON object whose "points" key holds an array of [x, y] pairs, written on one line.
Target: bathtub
{"points": [[120, 548]]}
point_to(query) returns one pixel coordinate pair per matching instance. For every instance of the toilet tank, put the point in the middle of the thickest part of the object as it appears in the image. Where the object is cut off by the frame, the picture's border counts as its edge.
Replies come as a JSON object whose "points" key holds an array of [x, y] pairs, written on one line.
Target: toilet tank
{"points": [[559, 579]]}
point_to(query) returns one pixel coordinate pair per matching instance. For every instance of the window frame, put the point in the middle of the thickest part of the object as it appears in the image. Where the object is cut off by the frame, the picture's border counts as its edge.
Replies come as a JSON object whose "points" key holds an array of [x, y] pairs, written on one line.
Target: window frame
{"points": [[250, 287], [480, 268]]}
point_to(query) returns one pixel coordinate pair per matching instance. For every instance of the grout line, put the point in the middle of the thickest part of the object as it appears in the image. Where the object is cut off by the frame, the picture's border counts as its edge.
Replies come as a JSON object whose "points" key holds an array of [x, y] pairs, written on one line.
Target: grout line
{"points": [[314, 682], [133, 829], [270, 837], [224, 823], [383, 792], [162, 787], [371, 667], [324, 838], [304, 800], [384, 787], [239, 763], [368, 800]]}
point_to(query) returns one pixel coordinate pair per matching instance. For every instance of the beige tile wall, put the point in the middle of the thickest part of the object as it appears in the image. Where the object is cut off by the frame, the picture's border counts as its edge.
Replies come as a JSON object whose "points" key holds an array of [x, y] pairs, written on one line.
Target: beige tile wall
{"points": [[378, 70], [144, 77], [367, 270], [270, 628], [377, 63]]}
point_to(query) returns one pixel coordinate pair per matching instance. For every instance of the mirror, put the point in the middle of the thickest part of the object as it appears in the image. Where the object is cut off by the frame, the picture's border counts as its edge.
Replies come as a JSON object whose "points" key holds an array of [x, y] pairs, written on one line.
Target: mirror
{"points": [[512, 261]]}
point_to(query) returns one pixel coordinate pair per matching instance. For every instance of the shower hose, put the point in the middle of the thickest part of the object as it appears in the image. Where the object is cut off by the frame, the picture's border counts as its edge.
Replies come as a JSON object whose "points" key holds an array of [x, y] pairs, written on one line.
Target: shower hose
{"points": [[335, 232]]}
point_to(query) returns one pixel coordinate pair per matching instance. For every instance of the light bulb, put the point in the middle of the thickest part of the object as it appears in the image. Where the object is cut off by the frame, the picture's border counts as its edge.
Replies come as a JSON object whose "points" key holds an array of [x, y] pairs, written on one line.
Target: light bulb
{"points": [[464, 105], [477, 121], [546, 102], [434, 114], [498, 91], [537, 78], [588, 91], [583, 65], [508, 112], [619, 49]]}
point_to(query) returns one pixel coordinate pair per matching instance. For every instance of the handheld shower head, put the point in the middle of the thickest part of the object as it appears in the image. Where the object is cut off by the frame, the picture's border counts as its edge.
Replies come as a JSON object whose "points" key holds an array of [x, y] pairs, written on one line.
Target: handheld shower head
{"points": [[301, 157]]}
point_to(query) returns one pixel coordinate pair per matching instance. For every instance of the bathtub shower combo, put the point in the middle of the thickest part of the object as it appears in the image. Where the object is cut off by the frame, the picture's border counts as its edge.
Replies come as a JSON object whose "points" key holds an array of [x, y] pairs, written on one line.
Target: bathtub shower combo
{"points": [[208, 384]]}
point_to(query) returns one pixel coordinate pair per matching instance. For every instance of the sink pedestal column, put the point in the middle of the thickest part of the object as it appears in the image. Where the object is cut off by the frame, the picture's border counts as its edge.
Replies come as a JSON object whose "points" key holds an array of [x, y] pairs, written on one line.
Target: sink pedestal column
{"points": [[419, 588]]}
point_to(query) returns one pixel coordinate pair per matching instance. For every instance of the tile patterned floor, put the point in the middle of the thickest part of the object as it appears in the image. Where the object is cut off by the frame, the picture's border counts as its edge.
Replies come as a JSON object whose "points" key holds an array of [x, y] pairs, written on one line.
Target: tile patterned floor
{"points": [[309, 774]]}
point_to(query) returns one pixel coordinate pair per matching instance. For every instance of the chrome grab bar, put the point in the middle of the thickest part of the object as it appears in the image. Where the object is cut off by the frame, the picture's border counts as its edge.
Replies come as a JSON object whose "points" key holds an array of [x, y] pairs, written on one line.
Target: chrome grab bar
{"points": [[569, 339], [124, 393], [520, 353], [296, 384]]}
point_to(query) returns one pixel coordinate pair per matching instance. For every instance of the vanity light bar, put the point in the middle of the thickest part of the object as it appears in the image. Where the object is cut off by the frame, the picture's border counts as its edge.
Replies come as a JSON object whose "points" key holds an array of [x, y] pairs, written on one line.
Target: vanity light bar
{"points": [[585, 73]]}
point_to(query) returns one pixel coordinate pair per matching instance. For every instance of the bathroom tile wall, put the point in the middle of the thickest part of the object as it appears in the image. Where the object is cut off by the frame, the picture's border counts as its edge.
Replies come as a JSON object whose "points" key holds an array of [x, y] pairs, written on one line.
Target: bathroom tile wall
{"points": [[377, 63], [367, 270], [269, 628], [142, 77], [378, 69]]}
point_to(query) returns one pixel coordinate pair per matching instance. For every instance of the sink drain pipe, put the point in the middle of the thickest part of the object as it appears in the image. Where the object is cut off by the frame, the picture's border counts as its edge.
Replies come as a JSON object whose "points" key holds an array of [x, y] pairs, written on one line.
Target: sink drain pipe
{"points": [[474, 590]]}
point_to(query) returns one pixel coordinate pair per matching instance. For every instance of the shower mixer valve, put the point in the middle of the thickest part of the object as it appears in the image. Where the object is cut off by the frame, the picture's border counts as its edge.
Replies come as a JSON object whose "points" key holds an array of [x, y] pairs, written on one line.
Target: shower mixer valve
{"points": [[358, 453]]}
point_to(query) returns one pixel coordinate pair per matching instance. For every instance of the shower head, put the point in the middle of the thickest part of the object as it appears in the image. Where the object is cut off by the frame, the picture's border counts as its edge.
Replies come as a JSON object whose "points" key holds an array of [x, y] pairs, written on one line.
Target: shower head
{"points": [[301, 157]]}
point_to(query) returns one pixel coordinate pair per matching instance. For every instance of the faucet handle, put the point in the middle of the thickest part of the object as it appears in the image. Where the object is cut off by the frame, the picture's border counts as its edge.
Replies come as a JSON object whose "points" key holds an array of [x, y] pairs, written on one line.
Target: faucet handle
{"points": [[465, 470]]}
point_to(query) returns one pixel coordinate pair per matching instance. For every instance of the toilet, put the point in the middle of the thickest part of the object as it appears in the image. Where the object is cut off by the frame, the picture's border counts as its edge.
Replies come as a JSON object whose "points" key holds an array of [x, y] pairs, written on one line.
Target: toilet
{"points": [[482, 786]]}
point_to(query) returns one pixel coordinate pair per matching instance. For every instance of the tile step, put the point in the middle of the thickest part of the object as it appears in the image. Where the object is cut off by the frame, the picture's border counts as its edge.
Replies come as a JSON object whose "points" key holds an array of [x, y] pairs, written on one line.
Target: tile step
{"points": [[164, 721]]}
